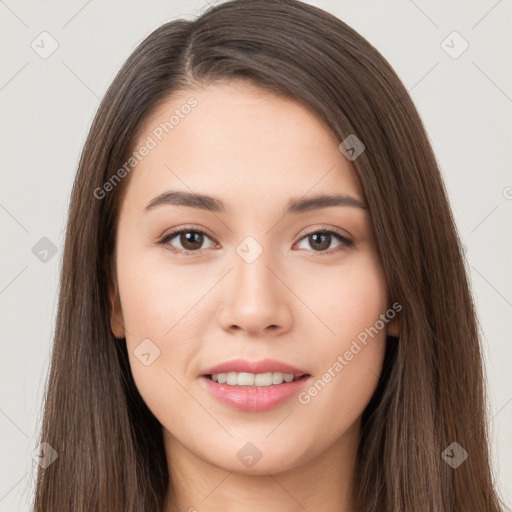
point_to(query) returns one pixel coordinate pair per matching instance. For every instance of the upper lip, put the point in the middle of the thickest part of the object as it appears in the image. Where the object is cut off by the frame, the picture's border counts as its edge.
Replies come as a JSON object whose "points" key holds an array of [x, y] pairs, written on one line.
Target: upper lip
{"points": [[262, 366]]}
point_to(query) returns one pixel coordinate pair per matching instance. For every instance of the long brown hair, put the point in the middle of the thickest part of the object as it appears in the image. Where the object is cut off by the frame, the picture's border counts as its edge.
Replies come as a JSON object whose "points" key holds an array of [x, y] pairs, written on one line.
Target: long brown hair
{"points": [[430, 393]]}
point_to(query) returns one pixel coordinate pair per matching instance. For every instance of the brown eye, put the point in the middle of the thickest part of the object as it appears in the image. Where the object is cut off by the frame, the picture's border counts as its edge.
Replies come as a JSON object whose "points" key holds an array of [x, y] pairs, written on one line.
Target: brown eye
{"points": [[320, 241], [185, 240]]}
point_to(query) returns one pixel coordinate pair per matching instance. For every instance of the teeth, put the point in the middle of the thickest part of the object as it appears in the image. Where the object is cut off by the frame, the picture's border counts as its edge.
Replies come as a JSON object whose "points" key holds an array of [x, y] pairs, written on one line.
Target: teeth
{"points": [[251, 379]]}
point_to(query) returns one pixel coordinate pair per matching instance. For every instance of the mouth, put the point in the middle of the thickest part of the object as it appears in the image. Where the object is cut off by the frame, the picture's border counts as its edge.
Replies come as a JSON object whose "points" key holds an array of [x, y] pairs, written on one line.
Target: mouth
{"points": [[242, 372], [254, 392], [254, 386], [246, 379]]}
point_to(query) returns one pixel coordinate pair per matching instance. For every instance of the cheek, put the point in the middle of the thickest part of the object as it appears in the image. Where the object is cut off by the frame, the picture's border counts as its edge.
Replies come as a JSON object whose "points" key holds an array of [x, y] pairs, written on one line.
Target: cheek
{"points": [[350, 360], [350, 300], [160, 304], [146, 310], [154, 295]]}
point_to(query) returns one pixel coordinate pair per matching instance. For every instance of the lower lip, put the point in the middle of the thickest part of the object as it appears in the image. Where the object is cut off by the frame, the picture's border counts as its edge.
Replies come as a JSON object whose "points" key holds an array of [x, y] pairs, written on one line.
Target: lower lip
{"points": [[252, 398]]}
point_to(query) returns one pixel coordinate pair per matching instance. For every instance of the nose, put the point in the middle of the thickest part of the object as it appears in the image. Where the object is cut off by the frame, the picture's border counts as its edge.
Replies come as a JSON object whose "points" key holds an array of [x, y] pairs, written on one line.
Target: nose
{"points": [[255, 300]]}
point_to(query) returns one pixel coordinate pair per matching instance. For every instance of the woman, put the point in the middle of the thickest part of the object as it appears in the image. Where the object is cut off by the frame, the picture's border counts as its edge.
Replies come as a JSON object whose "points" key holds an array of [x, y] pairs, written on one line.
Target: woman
{"points": [[263, 300]]}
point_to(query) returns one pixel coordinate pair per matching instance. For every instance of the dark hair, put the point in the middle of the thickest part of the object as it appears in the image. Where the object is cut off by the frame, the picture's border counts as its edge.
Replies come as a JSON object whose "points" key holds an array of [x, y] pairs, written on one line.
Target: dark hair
{"points": [[430, 394]]}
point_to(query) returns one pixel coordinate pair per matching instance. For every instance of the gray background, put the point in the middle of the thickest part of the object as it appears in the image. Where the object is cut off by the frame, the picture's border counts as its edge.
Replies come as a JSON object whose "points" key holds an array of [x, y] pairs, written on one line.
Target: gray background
{"points": [[47, 106]]}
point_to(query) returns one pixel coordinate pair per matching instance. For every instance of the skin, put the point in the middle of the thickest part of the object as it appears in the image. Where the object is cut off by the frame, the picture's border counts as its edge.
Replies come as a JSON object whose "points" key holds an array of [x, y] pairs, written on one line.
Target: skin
{"points": [[254, 151]]}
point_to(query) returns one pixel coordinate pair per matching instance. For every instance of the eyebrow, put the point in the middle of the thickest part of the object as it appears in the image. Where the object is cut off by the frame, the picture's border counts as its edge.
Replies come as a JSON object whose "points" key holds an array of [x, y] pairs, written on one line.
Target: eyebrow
{"points": [[204, 202]]}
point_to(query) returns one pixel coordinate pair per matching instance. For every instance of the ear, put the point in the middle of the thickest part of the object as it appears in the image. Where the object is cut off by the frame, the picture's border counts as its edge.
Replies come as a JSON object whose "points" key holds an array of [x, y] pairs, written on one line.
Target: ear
{"points": [[115, 311], [394, 326]]}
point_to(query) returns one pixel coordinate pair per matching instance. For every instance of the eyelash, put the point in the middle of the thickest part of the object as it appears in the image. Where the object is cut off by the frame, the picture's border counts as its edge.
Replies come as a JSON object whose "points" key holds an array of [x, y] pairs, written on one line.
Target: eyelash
{"points": [[346, 243]]}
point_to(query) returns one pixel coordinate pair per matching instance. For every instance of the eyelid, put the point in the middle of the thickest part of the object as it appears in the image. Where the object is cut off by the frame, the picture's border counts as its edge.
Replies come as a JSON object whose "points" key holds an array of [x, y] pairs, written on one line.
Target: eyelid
{"points": [[346, 243], [338, 231], [186, 227]]}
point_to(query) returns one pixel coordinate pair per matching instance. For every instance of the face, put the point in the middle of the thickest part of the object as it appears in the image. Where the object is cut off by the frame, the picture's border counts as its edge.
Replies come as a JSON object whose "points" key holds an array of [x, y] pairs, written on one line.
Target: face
{"points": [[260, 272]]}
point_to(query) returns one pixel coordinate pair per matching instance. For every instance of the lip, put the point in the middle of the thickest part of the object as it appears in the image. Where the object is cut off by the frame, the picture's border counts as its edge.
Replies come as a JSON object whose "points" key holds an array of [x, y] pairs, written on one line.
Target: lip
{"points": [[262, 366], [254, 398]]}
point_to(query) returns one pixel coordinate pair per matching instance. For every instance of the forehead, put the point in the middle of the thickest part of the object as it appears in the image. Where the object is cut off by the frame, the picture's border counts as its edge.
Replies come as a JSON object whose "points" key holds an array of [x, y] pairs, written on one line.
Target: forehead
{"points": [[239, 142]]}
